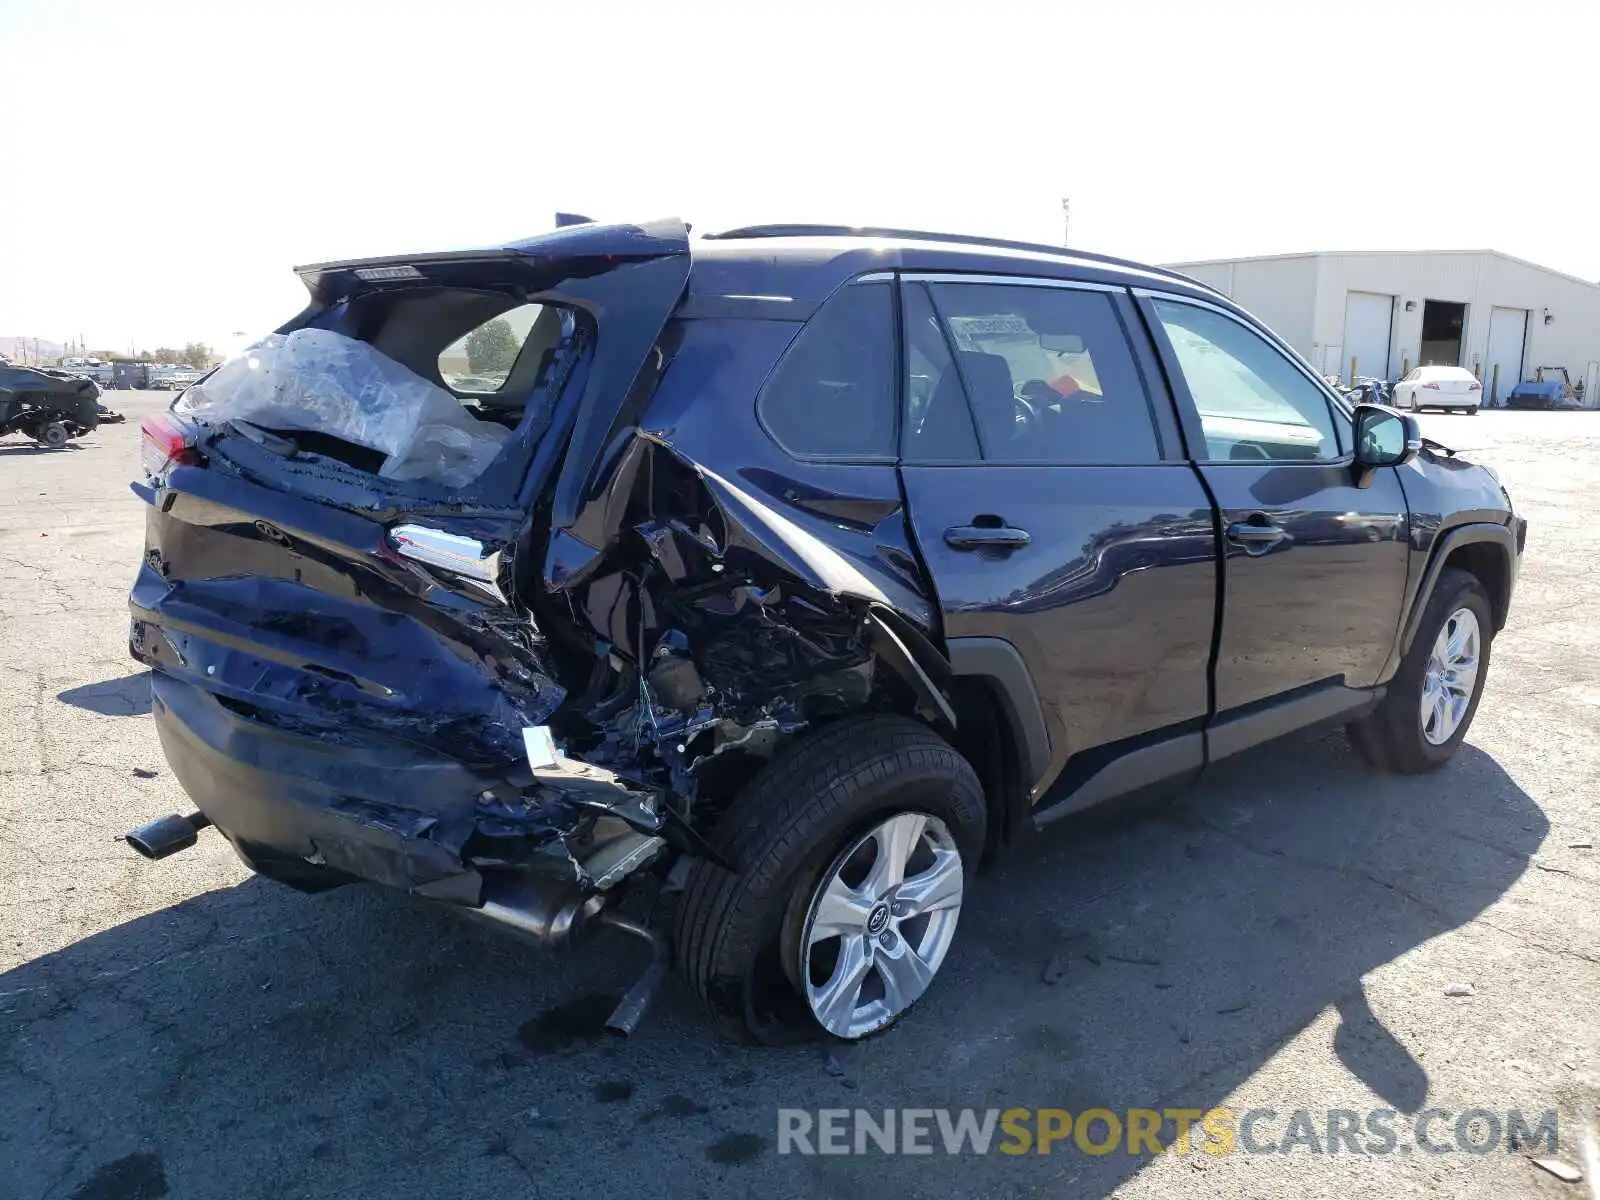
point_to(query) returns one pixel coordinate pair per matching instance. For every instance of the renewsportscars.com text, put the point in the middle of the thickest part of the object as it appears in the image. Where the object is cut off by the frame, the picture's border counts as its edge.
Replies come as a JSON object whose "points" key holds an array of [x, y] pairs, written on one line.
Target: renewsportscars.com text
{"points": [[1152, 1131]]}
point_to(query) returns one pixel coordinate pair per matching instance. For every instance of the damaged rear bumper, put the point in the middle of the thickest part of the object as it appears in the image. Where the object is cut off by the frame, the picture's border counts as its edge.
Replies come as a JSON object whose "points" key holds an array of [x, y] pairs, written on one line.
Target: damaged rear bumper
{"points": [[309, 812]]}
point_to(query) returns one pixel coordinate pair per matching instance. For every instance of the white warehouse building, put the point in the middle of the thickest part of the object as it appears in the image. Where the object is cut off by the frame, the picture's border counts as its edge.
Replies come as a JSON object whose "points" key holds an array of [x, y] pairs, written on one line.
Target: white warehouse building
{"points": [[1378, 313]]}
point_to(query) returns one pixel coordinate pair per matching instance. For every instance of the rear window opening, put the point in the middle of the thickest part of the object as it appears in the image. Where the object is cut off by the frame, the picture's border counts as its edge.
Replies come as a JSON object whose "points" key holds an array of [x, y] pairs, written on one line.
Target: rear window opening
{"points": [[480, 363], [418, 385]]}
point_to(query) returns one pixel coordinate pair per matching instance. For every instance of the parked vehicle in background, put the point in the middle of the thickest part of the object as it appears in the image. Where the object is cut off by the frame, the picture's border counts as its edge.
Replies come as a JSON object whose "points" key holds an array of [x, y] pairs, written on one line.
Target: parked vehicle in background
{"points": [[97, 369], [1543, 393], [51, 407], [1450, 389], [173, 378], [788, 574], [1368, 390], [130, 376]]}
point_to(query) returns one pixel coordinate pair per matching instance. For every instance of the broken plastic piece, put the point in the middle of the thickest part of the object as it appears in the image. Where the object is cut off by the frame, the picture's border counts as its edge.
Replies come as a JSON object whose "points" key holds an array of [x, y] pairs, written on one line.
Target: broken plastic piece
{"points": [[617, 852], [541, 747], [323, 382]]}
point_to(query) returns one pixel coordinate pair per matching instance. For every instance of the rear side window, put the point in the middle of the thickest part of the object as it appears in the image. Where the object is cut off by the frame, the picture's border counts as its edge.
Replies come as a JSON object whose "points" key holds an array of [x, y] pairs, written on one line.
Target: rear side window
{"points": [[1049, 373], [833, 394]]}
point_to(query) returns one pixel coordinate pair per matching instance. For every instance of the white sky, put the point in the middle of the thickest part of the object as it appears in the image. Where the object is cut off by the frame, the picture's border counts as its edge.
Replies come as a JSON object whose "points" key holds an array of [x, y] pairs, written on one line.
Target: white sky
{"points": [[163, 164]]}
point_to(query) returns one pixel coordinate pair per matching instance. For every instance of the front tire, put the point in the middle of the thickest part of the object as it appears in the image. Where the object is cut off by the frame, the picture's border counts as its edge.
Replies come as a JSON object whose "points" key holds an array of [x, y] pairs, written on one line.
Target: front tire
{"points": [[876, 822], [1434, 695]]}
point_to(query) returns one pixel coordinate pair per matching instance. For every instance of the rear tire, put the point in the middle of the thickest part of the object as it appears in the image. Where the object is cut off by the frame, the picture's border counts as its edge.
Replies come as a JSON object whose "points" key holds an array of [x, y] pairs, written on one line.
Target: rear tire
{"points": [[1404, 734], [52, 434], [739, 934]]}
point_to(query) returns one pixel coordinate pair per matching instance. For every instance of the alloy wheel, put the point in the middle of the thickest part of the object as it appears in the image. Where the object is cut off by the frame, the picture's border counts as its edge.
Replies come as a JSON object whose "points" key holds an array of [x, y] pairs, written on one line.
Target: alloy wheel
{"points": [[1451, 676], [880, 923]]}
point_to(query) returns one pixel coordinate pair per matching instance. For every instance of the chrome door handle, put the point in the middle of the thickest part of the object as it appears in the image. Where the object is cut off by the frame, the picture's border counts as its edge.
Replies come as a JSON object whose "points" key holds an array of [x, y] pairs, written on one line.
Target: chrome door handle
{"points": [[986, 537], [1256, 539]]}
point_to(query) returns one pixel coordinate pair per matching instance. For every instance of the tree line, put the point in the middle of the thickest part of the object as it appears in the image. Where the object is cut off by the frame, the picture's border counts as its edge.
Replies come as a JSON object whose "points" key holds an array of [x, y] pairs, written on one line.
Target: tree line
{"points": [[195, 354]]}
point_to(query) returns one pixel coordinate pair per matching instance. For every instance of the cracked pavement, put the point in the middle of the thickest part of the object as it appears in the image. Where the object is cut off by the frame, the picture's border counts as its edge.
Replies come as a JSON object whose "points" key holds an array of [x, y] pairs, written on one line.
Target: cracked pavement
{"points": [[1281, 936]]}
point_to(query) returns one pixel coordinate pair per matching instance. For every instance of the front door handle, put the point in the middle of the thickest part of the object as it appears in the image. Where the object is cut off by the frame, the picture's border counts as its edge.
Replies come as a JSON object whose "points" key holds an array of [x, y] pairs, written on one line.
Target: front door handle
{"points": [[1256, 539], [986, 537]]}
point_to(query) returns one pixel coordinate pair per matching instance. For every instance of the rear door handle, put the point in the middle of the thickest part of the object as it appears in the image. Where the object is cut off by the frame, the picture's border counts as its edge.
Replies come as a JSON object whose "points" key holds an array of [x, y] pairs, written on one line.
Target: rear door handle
{"points": [[986, 537], [1256, 539]]}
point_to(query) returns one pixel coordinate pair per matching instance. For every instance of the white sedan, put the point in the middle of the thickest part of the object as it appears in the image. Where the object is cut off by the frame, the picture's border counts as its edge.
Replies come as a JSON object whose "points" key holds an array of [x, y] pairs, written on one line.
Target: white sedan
{"points": [[1449, 388]]}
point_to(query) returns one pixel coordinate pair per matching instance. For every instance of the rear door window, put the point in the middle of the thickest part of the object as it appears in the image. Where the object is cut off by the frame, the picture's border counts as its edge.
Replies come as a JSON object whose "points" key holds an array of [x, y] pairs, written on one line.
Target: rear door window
{"points": [[1049, 373], [832, 395], [938, 423]]}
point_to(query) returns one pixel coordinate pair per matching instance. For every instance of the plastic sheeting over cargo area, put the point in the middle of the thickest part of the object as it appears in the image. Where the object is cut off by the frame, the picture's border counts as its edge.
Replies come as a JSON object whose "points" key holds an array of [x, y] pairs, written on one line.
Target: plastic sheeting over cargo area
{"points": [[323, 382]]}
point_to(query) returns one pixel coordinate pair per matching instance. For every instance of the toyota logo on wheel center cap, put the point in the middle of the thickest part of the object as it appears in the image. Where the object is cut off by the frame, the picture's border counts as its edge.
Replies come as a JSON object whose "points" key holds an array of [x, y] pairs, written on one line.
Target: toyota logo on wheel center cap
{"points": [[878, 919]]}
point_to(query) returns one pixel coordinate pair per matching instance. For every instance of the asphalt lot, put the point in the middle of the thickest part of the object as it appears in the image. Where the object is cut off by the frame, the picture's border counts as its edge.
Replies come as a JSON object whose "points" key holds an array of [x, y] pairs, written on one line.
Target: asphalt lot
{"points": [[1283, 936]]}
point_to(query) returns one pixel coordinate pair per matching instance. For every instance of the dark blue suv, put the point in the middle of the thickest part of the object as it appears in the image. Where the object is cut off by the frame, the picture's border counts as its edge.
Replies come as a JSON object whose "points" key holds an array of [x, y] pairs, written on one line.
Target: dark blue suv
{"points": [[771, 581]]}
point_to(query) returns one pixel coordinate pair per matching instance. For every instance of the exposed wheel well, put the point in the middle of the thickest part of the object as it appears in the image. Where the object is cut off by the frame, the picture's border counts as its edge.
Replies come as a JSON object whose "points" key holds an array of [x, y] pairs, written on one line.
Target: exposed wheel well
{"points": [[1486, 562], [982, 736], [986, 740]]}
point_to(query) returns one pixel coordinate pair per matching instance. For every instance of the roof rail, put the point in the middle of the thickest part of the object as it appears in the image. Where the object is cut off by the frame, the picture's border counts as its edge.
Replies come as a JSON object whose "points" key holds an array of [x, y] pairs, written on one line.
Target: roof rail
{"points": [[922, 235]]}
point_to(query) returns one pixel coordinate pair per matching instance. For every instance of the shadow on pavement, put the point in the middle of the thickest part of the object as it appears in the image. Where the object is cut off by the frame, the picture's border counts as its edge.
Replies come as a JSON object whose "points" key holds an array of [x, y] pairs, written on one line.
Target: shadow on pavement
{"points": [[34, 448], [128, 696], [1374, 1056], [256, 1042]]}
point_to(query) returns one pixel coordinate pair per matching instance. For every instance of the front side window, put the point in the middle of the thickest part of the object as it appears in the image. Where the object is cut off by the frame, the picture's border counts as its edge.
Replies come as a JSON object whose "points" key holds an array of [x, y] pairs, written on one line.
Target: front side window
{"points": [[833, 394], [1049, 373], [1254, 404]]}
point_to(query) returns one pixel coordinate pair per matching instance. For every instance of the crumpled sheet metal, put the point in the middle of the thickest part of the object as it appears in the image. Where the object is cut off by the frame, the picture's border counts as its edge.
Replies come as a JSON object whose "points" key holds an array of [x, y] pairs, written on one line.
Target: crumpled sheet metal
{"points": [[323, 382]]}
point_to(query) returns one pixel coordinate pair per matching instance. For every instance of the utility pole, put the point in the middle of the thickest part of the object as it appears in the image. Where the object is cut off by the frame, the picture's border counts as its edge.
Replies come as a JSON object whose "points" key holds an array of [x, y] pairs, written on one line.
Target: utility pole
{"points": [[1066, 220]]}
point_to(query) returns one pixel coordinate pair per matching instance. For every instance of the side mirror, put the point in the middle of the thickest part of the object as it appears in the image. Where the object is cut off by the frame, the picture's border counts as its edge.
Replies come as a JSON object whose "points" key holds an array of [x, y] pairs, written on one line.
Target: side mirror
{"points": [[1384, 438]]}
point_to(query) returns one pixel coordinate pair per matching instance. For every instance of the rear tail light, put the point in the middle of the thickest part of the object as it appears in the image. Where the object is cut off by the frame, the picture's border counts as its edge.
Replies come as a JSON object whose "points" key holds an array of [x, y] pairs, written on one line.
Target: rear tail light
{"points": [[1475, 386], [1432, 387], [165, 442]]}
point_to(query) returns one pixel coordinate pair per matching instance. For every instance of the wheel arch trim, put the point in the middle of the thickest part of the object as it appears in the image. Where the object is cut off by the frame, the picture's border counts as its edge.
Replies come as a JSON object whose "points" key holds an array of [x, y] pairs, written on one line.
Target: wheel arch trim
{"points": [[1446, 544], [997, 661]]}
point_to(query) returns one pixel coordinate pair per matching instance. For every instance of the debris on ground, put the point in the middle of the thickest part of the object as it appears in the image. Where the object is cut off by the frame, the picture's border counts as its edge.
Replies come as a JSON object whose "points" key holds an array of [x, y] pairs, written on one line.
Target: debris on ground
{"points": [[1233, 1008], [144, 773], [1054, 969], [1459, 989], [835, 1068], [1565, 1172]]}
